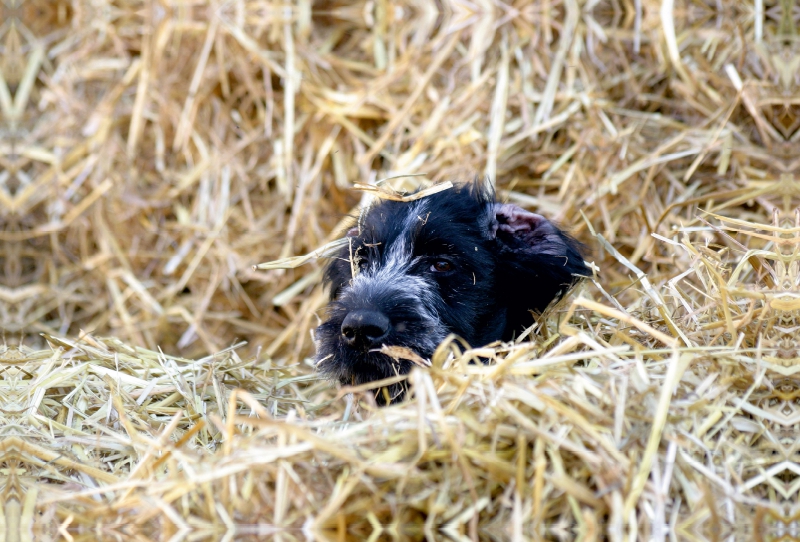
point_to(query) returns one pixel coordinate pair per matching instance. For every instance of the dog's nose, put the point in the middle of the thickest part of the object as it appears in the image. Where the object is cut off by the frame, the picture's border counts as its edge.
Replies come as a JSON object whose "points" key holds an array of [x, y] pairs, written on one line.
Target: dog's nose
{"points": [[365, 328]]}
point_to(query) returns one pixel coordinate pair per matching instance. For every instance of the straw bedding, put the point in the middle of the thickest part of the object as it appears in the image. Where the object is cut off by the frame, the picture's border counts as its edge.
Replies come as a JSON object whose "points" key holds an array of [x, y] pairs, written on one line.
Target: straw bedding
{"points": [[155, 385]]}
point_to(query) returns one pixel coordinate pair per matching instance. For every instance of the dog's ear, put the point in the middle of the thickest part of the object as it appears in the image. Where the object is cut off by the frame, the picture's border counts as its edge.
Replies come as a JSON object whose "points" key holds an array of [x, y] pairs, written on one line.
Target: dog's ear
{"points": [[521, 230], [536, 261]]}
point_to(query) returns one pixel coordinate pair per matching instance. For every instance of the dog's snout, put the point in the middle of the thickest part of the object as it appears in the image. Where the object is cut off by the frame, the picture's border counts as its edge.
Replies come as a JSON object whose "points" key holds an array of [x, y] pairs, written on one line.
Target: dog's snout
{"points": [[365, 328]]}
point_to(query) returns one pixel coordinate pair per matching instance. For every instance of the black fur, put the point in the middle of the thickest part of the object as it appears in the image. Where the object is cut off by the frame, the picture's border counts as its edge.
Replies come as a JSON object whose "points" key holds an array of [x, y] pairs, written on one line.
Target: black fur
{"points": [[453, 262]]}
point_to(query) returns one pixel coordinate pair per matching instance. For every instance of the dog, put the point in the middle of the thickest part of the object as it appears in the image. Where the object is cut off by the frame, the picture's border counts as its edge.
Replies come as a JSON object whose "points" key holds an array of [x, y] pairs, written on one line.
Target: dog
{"points": [[456, 261]]}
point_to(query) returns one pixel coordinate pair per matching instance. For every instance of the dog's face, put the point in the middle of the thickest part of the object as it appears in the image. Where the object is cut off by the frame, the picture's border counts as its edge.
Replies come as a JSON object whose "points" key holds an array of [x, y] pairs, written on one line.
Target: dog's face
{"points": [[453, 262]]}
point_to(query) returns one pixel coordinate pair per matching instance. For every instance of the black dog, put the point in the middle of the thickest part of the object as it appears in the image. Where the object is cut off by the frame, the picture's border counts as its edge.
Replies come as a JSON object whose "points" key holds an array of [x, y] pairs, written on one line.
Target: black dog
{"points": [[453, 262]]}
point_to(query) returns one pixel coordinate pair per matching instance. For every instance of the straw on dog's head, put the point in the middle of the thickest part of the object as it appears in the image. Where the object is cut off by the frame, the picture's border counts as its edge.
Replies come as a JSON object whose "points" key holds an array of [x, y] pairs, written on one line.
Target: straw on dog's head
{"points": [[453, 262]]}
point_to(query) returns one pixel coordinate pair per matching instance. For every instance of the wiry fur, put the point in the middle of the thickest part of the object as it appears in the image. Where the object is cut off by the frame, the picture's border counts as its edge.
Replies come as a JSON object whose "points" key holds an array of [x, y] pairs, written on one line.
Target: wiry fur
{"points": [[505, 262]]}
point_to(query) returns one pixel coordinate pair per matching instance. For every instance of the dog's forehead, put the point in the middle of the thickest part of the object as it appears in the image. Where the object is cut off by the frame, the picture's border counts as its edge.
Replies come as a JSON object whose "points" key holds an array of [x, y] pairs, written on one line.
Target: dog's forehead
{"points": [[390, 221], [415, 215], [447, 216]]}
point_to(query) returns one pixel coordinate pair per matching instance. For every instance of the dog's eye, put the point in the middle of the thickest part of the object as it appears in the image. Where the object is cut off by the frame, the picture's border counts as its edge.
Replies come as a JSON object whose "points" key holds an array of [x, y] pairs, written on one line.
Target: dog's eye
{"points": [[363, 264], [441, 266]]}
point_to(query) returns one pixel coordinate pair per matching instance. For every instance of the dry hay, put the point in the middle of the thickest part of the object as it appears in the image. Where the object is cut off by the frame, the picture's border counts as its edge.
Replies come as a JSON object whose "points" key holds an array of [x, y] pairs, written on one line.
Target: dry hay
{"points": [[152, 153]]}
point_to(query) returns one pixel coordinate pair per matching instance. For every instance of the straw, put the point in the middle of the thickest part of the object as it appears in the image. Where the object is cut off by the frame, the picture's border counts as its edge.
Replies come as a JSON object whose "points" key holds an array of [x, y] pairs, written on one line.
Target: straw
{"points": [[158, 380]]}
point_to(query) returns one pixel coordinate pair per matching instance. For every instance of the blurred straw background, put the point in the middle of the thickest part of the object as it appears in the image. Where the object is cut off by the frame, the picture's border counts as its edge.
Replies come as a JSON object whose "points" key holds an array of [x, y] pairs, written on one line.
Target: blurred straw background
{"points": [[155, 385]]}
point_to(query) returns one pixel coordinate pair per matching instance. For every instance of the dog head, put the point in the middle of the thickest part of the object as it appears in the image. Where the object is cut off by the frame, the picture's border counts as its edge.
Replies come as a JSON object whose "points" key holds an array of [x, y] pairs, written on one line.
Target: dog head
{"points": [[453, 262]]}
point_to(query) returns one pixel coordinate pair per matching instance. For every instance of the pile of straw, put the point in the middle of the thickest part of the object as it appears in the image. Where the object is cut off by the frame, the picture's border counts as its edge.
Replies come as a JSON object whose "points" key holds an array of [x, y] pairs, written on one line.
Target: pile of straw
{"points": [[152, 153]]}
